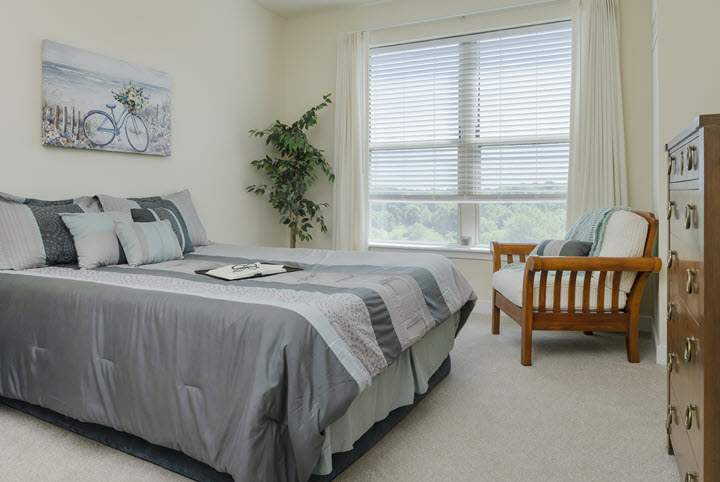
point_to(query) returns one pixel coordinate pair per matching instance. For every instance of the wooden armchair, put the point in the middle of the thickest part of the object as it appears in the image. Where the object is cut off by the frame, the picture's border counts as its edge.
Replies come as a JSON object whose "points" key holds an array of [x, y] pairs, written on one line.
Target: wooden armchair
{"points": [[575, 318]]}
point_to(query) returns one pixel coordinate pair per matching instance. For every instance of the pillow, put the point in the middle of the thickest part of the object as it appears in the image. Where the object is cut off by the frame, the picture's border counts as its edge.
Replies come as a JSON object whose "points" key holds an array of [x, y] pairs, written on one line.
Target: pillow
{"points": [[148, 243], [624, 237], [32, 234], [180, 203], [562, 247], [150, 215], [95, 240]]}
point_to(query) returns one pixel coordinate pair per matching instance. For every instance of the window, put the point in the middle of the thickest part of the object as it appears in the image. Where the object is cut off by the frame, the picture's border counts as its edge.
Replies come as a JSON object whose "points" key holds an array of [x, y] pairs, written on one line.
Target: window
{"points": [[469, 138]]}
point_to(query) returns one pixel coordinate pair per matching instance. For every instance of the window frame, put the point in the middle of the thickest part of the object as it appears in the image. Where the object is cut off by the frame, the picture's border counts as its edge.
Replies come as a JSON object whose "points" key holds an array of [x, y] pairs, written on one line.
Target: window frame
{"points": [[468, 212]]}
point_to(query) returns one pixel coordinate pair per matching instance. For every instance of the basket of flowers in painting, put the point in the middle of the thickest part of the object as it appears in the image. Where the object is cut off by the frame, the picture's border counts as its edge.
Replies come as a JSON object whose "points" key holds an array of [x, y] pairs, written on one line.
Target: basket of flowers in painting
{"points": [[131, 97]]}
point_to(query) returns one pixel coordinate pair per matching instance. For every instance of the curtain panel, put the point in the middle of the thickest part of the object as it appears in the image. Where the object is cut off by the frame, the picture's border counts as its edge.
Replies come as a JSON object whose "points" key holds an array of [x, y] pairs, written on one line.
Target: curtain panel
{"points": [[350, 198], [597, 174]]}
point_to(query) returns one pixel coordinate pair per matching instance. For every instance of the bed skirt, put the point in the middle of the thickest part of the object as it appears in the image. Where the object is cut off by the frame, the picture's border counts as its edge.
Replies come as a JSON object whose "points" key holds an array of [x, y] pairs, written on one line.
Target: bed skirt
{"points": [[182, 464]]}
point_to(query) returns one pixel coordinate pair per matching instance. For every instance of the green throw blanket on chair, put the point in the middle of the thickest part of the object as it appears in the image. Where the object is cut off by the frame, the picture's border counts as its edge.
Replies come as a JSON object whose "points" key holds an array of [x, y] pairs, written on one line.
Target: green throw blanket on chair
{"points": [[590, 227]]}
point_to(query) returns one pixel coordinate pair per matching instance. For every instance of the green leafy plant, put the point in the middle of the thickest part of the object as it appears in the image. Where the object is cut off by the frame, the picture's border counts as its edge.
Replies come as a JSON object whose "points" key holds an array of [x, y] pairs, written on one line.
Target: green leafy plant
{"points": [[293, 172]]}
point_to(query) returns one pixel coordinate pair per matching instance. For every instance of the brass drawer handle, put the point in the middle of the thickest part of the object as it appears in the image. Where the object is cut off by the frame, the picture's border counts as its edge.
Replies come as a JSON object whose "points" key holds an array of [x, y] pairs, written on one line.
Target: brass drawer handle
{"points": [[689, 215], [669, 418], [689, 343], [670, 362], [671, 255], [690, 476], [671, 159], [690, 157], [689, 416], [670, 209], [690, 283], [682, 161], [670, 310]]}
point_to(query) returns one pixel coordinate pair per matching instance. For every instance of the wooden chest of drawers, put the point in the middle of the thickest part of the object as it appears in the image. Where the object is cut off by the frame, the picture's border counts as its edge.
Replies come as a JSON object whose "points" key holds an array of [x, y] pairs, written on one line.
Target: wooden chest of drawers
{"points": [[693, 289]]}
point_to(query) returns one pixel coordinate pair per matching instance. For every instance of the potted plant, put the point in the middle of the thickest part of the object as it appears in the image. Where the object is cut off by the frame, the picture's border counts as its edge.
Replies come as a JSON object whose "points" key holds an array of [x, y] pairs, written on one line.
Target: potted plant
{"points": [[292, 172]]}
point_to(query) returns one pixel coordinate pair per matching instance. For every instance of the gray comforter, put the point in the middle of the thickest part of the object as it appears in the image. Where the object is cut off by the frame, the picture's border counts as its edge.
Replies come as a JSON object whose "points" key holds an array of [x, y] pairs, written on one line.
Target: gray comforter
{"points": [[243, 376]]}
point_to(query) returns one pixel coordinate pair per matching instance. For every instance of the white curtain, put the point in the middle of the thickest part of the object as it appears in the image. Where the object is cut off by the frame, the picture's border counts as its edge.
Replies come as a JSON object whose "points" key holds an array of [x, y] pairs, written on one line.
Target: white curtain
{"points": [[350, 199], [597, 176]]}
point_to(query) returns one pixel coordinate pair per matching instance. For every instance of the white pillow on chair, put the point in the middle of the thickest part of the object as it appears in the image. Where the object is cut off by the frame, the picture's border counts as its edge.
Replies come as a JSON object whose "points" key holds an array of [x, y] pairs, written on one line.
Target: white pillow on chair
{"points": [[625, 237]]}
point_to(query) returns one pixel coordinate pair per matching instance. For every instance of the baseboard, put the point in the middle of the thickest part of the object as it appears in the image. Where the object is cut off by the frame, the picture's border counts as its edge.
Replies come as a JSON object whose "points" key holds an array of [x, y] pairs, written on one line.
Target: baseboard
{"points": [[483, 307], [646, 324], [661, 354], [660, 349]]}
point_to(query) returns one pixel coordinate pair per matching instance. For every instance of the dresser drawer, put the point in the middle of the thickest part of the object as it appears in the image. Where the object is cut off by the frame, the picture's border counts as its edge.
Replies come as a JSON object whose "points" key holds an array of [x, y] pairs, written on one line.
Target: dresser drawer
{"points": [[685, 258], [684, 350], [684, 454], [684, 161], [690, 404]]}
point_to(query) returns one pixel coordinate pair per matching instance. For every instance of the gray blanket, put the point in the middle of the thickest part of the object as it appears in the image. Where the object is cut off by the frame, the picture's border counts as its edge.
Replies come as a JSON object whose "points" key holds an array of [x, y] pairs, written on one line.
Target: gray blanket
{"points": [[244, 376]]}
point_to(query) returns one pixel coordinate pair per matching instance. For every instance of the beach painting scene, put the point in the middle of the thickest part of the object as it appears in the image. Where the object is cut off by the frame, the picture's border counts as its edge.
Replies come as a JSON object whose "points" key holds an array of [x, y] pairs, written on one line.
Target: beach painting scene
{"points": [[90, 101]]}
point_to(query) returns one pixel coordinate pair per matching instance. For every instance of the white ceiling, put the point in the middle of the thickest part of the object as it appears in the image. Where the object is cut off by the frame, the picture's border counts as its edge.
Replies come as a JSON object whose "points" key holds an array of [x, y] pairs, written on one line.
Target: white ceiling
{"points": [[290, 8]]}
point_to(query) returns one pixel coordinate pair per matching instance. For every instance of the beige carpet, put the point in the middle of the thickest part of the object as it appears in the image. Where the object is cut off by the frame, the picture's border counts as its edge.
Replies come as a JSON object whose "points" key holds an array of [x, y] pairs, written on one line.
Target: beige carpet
{"points": [[581, 412]]}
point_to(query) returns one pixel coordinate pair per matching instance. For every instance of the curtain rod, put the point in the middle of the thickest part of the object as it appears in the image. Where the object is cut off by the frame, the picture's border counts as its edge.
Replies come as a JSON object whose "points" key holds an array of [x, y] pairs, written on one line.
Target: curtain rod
{"points": [[460, 15]]}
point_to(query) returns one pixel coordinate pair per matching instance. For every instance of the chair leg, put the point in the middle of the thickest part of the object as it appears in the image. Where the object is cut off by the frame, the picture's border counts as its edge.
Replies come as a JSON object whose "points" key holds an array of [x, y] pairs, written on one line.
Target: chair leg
{"points": [[526, 338], [495, 316], [631, 339]]}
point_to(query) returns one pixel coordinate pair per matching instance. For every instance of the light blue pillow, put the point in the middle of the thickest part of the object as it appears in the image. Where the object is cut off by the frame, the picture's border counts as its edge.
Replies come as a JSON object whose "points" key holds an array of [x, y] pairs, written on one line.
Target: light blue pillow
{"points": [[148, 243], [95, 240]]}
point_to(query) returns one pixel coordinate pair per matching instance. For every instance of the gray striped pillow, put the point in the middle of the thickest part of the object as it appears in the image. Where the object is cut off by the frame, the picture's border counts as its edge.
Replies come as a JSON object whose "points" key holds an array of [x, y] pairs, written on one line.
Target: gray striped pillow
{"points": [[33, 235], [148, 243], [151, 215], [562, 247]]}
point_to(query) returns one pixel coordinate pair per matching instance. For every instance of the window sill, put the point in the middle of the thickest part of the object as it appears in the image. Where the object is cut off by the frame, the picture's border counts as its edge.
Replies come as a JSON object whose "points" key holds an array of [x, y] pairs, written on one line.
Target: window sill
{"points": [[447, 251]]}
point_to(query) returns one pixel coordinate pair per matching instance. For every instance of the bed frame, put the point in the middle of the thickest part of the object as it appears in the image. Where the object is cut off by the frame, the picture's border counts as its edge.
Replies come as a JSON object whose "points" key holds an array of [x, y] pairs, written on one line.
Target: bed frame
{"points": [[575, 318]]}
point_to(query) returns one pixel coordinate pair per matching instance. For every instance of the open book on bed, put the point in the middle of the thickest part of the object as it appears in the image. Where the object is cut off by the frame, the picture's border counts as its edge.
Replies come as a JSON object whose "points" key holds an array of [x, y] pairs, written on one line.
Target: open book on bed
{"points": [[242, 271]]}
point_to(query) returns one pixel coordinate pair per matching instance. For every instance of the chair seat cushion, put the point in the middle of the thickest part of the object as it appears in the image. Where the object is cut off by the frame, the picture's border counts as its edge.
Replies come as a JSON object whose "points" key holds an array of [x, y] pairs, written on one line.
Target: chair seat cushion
{"points": [[509, 282]]}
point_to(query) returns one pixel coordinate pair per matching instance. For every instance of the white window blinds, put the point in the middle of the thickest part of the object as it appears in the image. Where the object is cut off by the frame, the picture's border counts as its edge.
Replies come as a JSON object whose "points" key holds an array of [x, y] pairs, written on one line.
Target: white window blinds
{"points": [[478, 117]]}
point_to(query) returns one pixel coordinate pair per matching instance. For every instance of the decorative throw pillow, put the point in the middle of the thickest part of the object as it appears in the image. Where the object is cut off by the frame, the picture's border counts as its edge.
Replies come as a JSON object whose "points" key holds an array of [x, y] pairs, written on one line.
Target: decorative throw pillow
{"points": [[562, 247], [150, 215], [148, 243], [95, 239], [180, 203], [32, 233]]}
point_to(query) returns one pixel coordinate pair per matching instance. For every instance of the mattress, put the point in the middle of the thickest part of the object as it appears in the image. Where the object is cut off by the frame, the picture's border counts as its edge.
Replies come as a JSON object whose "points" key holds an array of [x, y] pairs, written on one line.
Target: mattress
{"points": [[245, 377]]}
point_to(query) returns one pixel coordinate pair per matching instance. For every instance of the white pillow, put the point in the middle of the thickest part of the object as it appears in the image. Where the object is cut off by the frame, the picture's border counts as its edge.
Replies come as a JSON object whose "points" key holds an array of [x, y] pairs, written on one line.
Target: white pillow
{"points": [[624, 237]]}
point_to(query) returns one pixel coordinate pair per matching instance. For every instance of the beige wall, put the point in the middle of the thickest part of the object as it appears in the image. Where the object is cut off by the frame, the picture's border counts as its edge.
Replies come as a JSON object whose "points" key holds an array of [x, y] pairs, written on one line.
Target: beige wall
{"points": [[235, 66], [222, 59], [312, 65], [685, 83]]}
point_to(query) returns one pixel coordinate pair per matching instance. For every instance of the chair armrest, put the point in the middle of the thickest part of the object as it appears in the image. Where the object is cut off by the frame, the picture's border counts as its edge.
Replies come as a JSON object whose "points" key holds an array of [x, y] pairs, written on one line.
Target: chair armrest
{"points": [[500, 249], [581, 263]]}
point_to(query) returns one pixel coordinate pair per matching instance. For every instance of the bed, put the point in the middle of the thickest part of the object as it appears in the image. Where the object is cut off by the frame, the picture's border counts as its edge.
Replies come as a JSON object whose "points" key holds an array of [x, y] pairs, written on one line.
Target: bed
{"points": [[270, 378]]}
